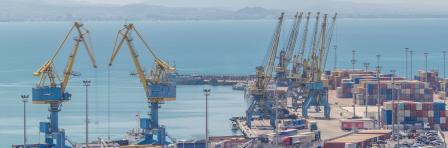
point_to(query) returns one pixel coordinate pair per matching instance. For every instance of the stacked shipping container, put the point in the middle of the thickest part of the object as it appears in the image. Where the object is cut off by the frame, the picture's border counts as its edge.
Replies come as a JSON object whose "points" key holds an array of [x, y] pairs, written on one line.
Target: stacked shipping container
{"points": [[416, 113], [334, 79], [409, 90], [432, 77]]}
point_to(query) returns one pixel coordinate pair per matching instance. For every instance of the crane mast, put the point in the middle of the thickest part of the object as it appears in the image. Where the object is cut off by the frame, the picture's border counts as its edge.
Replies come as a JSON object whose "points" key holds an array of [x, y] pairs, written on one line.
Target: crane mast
{"points": [[157, 86], [285, 57], [261, 104], [298, 59], [55, 94], [316, 93]]}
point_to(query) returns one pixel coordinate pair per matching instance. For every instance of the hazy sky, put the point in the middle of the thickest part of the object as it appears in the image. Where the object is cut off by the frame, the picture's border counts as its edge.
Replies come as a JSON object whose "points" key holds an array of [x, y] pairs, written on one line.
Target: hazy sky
{"points": [[267, 3], [235, 4]]}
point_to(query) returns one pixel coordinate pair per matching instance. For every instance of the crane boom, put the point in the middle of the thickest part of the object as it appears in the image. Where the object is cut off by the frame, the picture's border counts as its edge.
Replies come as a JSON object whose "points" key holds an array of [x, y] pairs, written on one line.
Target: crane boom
{"points": [[301, 55], [124, 33], [272, 52], [48, 67], [158, 88], [55, 94], [293, 37]]}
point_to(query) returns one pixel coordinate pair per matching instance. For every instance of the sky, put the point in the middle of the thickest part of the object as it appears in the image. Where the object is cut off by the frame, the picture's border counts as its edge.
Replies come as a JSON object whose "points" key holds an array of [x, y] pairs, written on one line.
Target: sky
{"points": [[426, 4], [272, 4]]}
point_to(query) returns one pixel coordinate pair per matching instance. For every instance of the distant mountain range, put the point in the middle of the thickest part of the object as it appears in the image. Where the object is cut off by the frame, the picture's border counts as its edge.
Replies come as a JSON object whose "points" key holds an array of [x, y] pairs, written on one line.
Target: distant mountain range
{"points": [[48, 12]]}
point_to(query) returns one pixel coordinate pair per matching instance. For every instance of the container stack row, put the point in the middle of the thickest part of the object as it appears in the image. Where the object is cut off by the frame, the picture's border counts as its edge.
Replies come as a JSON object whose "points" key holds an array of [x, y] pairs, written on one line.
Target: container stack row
{"points": [[432, 77], [409, 90], [416, 114], [346, 88], [335, 78]]}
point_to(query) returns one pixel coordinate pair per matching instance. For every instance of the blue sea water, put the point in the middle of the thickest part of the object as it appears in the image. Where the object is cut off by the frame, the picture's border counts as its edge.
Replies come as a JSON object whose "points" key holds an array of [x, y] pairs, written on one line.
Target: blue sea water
{"points": [[208, 47]]}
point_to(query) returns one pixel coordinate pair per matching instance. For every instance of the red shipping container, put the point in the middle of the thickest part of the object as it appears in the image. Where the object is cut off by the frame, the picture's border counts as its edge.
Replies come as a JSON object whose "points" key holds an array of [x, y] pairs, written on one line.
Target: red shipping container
{"points": [[414, 113], [349, 125], [442, 114], [413, 107], [421, 113]]}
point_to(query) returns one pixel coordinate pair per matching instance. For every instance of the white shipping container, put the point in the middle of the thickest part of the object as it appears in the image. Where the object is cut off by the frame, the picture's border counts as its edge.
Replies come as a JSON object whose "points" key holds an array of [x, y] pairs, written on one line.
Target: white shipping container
{"points": [[289, 102], [339, 92], [368, 124], [419, 106], [310, 134], [388, 106], [350, 145], [403, 91], [430, 113], [400, 113], [302, 138], [422, 91], [442, 120], [407, 113]]}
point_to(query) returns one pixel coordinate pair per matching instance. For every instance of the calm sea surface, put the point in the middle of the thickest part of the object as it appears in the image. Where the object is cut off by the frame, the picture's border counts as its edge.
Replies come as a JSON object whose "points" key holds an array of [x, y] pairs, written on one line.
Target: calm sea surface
{"points": [[207, 47]]}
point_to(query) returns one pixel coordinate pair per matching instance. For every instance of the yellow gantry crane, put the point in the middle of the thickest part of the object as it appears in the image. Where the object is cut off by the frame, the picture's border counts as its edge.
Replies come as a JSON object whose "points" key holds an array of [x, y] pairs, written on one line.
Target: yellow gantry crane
{"points": [[157, 85], [54, 93], [261, 103]]}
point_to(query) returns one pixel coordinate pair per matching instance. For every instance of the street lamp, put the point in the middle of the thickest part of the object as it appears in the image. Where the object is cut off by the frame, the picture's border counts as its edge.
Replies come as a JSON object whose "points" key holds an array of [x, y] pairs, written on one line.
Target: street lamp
{"points": [[378, 68], [406, 51], [87, 84], [24, 100], [394, 110], [410, 53], [444, 75], [206, 94], [353, 61], [426, 61], [366, 65]]}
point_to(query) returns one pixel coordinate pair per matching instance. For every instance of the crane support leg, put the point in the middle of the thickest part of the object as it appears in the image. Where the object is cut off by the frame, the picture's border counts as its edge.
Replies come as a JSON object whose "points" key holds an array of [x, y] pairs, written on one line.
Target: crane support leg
{"points": [[151, 127], [317, 96]]}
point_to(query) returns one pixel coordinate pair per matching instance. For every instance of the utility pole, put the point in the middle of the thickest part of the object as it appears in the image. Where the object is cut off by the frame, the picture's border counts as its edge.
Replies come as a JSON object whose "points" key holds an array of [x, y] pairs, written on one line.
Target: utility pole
{"points": [[426, 62], [412, 76], [87, 84], [398, 110], [206, 93], [353, 70], [444, 66], [444, 75], [366, 65], [378, 93], [406, 52], [335, 57], [24, 100], [394, 111], [426, 67], [353, 60], [108, 103]]}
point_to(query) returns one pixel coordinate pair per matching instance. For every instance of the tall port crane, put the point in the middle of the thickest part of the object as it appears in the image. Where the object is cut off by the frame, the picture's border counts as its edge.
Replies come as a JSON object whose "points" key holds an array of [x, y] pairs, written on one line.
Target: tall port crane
{"points": [[295, 77], [261, 103], [55, 93], [157, 85], [286, 55], [316, 94]]}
